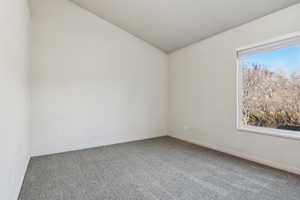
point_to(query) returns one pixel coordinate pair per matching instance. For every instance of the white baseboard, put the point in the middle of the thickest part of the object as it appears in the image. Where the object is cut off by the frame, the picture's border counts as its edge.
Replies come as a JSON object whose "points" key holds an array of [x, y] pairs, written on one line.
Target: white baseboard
{"points": [[245, 156], [90, 146], [17, 194]]}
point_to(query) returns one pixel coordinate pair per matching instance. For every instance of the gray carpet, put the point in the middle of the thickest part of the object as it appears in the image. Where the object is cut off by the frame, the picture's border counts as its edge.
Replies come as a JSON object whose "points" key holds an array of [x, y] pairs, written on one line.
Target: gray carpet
{"points": [[155, 169]]}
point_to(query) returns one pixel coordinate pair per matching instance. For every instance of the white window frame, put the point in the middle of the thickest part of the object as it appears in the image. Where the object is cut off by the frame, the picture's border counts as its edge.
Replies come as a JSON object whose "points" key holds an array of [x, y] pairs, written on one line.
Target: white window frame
{"points": [[269, 45]]}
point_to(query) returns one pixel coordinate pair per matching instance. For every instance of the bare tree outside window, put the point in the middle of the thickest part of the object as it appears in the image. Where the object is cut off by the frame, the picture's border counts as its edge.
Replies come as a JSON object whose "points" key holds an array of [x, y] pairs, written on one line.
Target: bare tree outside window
{"points": [[270, 89]]}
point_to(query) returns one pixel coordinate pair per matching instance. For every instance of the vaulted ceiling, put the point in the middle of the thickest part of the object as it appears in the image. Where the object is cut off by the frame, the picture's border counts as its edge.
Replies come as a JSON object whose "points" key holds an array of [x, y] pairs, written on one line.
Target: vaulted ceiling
{"points": [[173, 24]]}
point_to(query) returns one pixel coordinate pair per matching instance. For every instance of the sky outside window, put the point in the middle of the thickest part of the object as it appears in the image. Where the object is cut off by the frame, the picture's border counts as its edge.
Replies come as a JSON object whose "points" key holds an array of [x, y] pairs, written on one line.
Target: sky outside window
{"points": [[287, 59]]}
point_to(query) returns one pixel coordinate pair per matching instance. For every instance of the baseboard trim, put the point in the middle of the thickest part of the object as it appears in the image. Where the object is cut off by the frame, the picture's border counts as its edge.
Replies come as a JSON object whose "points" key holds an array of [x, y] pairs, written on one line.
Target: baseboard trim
{"points": [[88, 146], [245, 156], [23, 178]]}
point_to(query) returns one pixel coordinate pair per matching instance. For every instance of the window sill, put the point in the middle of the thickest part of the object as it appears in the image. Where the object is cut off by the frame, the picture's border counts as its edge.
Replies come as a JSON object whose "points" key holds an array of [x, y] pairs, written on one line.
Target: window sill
{"points": [[295, 135]]}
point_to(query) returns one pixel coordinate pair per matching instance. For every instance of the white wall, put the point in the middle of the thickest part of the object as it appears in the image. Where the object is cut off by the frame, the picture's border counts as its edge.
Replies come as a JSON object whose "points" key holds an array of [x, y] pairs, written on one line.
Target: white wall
{"points": [[92, 83], [14, 100], [202, 93]]}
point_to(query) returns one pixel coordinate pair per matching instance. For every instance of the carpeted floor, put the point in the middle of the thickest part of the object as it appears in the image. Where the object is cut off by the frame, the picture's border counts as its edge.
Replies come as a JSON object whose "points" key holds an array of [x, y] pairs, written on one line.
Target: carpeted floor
{"points": [[155, 169]]}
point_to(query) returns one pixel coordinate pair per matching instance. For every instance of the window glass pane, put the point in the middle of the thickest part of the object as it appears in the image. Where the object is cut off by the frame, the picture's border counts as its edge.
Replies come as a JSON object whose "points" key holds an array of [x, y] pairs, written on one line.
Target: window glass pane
{"points": [[271, 89]]}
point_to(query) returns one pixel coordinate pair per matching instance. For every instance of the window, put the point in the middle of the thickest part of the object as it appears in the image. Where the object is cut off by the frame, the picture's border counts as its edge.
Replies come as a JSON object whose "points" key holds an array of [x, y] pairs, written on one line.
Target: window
{"points": [[268, 87]]}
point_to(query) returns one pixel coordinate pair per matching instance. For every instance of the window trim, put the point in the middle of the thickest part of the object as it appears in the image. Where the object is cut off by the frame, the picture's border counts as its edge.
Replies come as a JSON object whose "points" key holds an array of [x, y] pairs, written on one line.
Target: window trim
{"points": [[272, 44]]}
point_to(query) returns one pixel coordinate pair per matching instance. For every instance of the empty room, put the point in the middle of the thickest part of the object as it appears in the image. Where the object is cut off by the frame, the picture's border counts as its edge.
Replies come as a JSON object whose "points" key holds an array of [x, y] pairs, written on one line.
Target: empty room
{"points": [[150, 100]]}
